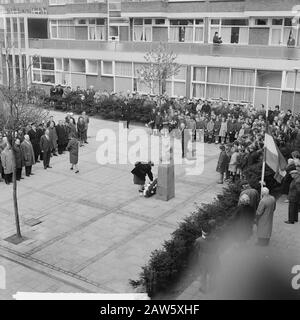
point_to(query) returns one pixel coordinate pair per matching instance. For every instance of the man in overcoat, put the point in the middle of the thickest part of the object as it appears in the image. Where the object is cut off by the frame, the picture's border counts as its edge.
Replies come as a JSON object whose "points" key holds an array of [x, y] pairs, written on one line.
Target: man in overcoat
{"points": [[28, 155], [294, 197], [264, 217]]}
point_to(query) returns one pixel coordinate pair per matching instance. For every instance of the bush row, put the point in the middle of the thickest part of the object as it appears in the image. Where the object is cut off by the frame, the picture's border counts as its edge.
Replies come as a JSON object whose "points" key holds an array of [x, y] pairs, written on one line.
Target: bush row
{"points": [[167, 263]]}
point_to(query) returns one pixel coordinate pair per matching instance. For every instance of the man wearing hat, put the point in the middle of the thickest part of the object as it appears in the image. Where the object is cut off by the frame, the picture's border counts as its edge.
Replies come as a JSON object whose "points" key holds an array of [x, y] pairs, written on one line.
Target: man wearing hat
{"points": [[294, 197]]}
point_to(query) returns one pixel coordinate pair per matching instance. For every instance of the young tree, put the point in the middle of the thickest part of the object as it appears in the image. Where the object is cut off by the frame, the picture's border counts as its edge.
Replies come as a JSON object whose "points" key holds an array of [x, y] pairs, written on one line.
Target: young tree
{"points": [[19, 106], [159, 67]]}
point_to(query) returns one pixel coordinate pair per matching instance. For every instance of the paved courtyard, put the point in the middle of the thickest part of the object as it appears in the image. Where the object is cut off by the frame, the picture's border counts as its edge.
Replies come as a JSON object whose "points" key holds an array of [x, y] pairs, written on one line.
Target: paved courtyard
{"points": [[95, 232]]}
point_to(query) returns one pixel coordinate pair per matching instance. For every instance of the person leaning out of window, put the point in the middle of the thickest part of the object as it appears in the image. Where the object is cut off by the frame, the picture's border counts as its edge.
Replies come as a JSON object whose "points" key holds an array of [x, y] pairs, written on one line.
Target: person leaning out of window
{"points": [[217, 39]]}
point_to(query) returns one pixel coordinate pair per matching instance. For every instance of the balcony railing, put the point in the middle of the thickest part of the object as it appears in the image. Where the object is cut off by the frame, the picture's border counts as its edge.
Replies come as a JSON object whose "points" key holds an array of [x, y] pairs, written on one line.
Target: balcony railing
{"points": [[244, 51]]}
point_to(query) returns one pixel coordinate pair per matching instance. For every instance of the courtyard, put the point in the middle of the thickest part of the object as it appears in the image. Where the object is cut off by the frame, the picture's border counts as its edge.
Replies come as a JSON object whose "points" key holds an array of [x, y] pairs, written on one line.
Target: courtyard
{"points": [[92, 232]]}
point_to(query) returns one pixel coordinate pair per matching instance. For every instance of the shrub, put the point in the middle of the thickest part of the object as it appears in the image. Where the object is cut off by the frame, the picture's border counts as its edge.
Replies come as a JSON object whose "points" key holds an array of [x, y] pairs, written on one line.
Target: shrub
{"points": [[166, 264]]}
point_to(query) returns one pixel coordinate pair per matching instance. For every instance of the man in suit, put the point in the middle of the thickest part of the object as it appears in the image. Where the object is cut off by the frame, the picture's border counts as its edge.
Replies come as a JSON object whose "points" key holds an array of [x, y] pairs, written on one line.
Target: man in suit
{"points": [[45, 145], [35, 141], [86, 121], [264, 217], [28, 155]]}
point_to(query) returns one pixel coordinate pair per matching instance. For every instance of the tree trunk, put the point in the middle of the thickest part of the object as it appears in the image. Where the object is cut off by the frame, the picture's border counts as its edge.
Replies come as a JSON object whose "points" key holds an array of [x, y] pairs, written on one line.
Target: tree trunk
{"points": [[15, 196]]}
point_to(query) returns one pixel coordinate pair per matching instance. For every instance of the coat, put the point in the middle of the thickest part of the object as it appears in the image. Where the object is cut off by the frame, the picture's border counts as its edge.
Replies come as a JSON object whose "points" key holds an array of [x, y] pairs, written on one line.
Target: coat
{"points": [[71, 130], [34, 138], [233, 162], [223, 129], [53, 137], [244, 222], [140, 171], [253, 196], [294, 190], [27, 153], [73, 148], [45, 144], [265, 213], [223, 162], [7, 161], [18, 156], [62, 135]]}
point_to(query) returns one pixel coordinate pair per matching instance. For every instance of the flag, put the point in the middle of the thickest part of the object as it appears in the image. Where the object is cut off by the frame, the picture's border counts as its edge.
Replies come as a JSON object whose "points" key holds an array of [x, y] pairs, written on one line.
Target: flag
{"points": [[274, 158]]}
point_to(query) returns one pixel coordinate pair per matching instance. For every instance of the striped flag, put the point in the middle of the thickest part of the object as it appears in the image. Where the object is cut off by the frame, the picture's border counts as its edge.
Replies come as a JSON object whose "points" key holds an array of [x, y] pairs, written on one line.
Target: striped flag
{"points": [[274, 158]]}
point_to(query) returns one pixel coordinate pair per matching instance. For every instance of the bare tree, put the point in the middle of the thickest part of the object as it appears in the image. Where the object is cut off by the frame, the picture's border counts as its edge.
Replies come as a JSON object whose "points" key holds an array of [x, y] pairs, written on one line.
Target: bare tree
{"points": [[159, 67], [18, 107]]}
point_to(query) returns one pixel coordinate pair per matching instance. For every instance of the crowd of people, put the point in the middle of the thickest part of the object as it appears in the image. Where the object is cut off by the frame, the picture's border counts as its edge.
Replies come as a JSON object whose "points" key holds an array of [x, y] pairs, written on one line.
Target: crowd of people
{"points": [[237, 128], [39, 142]]}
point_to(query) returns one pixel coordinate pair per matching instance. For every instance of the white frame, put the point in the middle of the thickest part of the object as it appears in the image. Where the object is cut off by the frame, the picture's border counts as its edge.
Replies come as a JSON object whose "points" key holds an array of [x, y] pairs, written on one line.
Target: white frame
{"points": [[219, 26], [194, 25]]}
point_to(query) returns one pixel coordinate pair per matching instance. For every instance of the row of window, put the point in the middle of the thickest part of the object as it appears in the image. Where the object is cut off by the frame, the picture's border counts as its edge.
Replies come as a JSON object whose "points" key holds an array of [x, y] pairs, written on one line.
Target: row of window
{"points": [[229, 83]]}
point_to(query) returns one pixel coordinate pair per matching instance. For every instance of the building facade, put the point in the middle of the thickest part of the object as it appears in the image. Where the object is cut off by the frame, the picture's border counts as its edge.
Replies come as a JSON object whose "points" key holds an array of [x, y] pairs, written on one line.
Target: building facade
{"points": [[103, 43]]}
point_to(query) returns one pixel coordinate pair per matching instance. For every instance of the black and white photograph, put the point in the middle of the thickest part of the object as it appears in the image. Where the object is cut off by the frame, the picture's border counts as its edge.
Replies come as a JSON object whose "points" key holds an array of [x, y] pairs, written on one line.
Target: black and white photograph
{"points": [[149, 150]]}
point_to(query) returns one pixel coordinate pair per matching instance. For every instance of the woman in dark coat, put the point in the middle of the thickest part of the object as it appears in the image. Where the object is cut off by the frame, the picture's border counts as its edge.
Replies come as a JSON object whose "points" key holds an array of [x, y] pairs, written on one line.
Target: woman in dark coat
{"points": [[81, 130], [223, 163], [244, 219], [139, 172], [73, 148], [18, 159]]}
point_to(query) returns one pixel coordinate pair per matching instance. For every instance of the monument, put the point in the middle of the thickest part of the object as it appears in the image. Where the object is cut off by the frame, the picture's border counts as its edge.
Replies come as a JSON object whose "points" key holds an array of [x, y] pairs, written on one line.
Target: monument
{"points": [[166, 175]]}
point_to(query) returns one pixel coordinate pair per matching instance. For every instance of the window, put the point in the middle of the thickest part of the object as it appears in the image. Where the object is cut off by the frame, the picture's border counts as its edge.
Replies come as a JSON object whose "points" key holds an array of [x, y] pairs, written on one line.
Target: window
{"points": [[268, 78], [43, 69], [186, 30], [62, 29], [47, 63], [230, 30], [159, 21], [107, 68], [92, 67], [78, 65], [281, 30], [97, 29], [123, 69], [277, 22], [261, 22], [142, 30]]}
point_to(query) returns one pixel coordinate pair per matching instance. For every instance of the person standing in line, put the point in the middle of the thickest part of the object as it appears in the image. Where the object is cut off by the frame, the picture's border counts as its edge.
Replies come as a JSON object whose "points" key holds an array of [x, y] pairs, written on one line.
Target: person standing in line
{"points": [[223, 163], [28, 155], [45, 145], [73, 148], [264, 217], [294, 197], [35, 141], [81, 130], [7, 163], [18, 159], [53, 137], [61, 137], [40, 132], [86, 122]]}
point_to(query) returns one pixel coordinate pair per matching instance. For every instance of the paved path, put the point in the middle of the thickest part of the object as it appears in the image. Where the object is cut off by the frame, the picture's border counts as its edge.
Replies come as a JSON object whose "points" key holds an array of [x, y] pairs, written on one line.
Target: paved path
{"points": [[95, 232]]}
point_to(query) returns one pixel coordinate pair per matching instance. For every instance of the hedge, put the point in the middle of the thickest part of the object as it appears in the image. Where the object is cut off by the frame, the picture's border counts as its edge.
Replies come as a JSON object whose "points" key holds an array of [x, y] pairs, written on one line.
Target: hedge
{"points": [[167, 263], [112, 107]]}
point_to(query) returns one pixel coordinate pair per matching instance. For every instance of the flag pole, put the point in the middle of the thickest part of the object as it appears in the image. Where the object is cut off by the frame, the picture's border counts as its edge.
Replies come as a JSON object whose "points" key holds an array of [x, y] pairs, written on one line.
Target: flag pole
{"points": [[265, 150]]}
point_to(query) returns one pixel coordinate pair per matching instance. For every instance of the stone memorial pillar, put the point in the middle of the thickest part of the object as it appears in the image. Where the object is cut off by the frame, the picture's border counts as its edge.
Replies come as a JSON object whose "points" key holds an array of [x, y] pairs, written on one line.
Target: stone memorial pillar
{"points": [[166, 173]]}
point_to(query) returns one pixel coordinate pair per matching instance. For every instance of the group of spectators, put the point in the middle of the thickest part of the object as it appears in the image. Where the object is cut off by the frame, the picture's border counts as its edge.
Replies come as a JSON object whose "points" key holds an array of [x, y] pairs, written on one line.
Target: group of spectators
{"points": [[37, 143]]}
